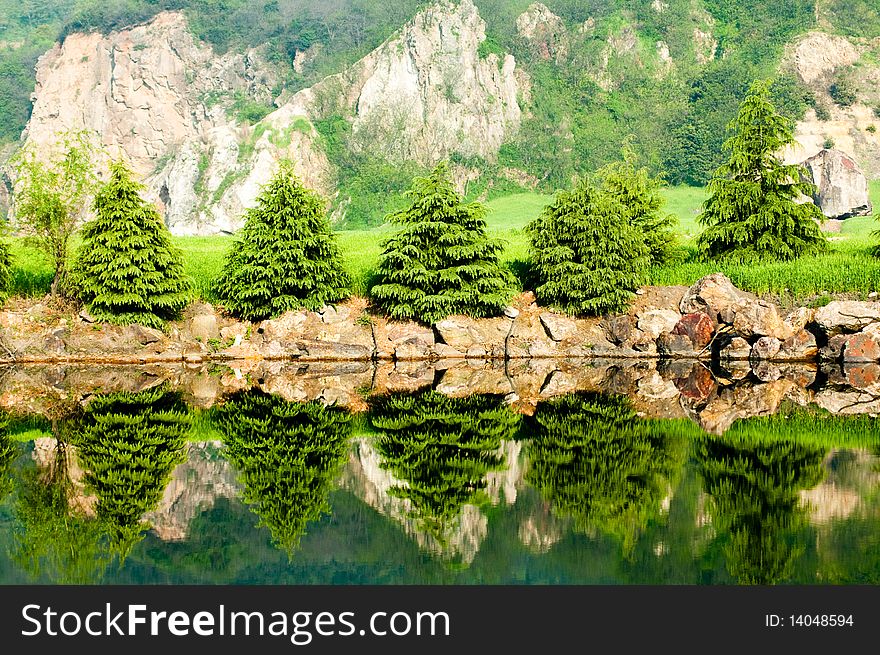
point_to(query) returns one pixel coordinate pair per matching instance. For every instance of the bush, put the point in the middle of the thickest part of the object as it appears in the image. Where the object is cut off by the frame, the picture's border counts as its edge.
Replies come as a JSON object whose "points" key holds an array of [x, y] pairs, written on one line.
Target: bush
{"points": [[5, 270], [639, 193], [127, 270], [843, 91], [441, 262], [828, 143], [822, 112], [753, 211], [286, 257], [587, 258]]}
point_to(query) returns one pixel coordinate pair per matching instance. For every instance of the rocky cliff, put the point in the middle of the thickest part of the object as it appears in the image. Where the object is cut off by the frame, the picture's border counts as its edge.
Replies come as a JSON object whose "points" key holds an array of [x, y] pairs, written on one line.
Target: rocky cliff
{"points": [[166, 103]]}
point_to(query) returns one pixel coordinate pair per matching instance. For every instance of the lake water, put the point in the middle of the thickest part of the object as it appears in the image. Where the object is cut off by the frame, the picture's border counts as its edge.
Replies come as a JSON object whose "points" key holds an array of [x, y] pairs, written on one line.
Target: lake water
{"points": [[534, 472]]}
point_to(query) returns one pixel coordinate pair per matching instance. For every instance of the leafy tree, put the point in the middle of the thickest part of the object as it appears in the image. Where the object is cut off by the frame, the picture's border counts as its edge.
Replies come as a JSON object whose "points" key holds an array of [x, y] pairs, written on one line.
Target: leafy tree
{"points": [[753, 211], [441, 448], [127, 269], [596, 462], [129, 444], [587, 256], [285, 257], [51, 196], [754, 490], [288, 455], [639, 193], [440, 262]]}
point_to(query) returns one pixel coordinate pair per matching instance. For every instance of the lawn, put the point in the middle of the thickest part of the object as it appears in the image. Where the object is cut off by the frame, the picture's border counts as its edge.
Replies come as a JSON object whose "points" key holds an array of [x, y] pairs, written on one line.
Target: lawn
{"points": [[849, 267]]}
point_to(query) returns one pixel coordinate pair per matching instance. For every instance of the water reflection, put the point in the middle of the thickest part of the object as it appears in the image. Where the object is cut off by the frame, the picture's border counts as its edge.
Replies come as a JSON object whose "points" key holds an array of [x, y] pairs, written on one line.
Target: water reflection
{"points": [[289, 455], [612, 475]]}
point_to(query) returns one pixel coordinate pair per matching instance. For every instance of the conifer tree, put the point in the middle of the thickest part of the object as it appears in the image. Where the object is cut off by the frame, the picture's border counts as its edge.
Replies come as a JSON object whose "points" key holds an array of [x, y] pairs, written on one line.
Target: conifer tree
{"points": [[129, 444], [288, 455], [8, 454], [285, 256], [587, 258], [754, 210], [127, 269], [5, 271], [596, 462], [639, 193], [441, 262], [755, 497], [441, 448]]}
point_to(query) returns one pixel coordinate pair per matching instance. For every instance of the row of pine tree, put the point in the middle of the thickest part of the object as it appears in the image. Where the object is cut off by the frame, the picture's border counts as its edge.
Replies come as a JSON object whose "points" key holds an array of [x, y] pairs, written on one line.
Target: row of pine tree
{"points": [[590, 248]]}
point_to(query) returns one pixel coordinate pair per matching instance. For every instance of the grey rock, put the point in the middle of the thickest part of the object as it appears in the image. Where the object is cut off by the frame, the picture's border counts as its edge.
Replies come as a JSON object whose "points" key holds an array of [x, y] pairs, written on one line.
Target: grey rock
{"points": [[847, 316], [841, 187], [558, 327]]}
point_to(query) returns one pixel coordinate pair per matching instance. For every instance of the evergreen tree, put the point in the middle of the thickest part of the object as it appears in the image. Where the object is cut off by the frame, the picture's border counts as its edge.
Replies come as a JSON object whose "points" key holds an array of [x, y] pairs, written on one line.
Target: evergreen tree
{"points": [[129, 444], [8, 454], [440, 262], [127, 270], [595, 461], [441, 448], [285, 256], [587, 258], [754, 490], [639, 193], [5, 271], [288, 455], [753, 210]]}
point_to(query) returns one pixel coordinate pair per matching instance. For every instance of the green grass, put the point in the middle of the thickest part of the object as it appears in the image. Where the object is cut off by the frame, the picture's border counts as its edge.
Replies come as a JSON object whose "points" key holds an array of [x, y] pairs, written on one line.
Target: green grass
{"points": [[848, 268]]}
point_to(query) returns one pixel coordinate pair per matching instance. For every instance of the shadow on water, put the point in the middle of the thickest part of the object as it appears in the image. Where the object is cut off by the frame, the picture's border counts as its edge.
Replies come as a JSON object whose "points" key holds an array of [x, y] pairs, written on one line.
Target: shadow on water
{"points": [[538, 471]]}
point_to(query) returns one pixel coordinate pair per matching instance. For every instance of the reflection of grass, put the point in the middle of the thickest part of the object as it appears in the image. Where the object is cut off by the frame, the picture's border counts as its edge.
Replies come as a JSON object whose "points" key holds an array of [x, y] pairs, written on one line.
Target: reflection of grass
{"points": [[847, 268]]}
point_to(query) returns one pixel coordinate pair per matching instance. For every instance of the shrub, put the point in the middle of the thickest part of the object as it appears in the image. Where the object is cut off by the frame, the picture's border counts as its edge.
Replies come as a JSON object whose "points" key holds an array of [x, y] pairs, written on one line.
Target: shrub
{"points": [[753, 211], [843, 91], [127, 270], [441, 262], [822, 112], [286, 257], [871, 128], [5, 270], [587, 258], [639, 193], [828, 143]]}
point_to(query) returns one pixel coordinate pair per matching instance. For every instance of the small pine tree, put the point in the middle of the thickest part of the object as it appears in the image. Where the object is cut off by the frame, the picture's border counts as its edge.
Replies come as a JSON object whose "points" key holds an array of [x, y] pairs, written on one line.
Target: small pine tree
{"points": [[5, 271], [288, 455], [127, 270], [441, 262], [639, 193], [129, 444], [754, 210], [286, 256], [587, 258], [442, 448]]}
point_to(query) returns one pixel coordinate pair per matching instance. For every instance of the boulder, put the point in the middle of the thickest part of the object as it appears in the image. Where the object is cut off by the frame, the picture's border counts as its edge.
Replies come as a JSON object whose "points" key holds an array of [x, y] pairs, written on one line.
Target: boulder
{"points": [[655, 322], [841, 187], [204, 327], [861, 347], [847, 316], [713, 295], [463, 332], [619, 329], [736, 349], [766, 348], [799, 319], [759, 318], [698, 327], [558, 327], [799, 346]]}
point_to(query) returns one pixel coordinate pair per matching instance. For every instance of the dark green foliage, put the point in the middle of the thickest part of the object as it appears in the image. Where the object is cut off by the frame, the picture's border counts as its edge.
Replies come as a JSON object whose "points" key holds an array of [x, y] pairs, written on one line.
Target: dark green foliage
{"points": [[285, 256], [587, 257], [639, 193], [822, 112], [596, 462], [754, 490], [440, 262], [127, 270], [843, 90], [129, 444], [752, 212], [288, 455], [5, 270], [8, 454], [441, 448], [855, 17]]}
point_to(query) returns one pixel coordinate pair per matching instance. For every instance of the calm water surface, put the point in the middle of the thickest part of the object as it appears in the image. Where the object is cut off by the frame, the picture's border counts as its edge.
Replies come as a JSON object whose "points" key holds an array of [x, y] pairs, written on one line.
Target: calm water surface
{"points": [[582, 485]]}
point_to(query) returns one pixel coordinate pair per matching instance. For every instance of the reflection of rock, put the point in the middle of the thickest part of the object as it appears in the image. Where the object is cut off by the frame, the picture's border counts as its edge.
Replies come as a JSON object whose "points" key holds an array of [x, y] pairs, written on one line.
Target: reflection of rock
{"points": [[58, 461], [503, 484], [195, 486], [849, 476], [540, 531], [742, 401]]}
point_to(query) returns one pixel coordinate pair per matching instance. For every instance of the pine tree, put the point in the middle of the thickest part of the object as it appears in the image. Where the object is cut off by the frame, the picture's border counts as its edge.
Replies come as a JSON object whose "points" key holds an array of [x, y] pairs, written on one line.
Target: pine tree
{"points": [[441, 448], [8, 454], [587, 258], [127, 270], [639, 193], [596, 462], [440, 262], [5, 271], [754, 210], [754, 490], [129, 444], [288, 455], [285, 256]]}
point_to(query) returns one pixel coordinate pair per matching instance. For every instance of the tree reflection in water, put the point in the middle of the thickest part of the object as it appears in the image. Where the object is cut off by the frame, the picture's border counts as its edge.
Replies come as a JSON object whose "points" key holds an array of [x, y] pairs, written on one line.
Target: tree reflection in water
{"points": [[753, 489], [441, 449], [596, 462], [288, 454]]}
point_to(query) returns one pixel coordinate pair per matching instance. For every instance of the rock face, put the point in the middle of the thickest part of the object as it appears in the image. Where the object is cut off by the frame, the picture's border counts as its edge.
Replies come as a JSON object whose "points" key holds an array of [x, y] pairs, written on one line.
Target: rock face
{"points": [[164, 102], [817, 54], [544, 31], [841, 187]]}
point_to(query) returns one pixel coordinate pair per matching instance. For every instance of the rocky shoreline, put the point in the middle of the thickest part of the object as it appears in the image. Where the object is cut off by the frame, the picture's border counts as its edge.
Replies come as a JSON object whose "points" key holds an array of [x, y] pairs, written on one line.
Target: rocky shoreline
{"points": [[711, 320]]}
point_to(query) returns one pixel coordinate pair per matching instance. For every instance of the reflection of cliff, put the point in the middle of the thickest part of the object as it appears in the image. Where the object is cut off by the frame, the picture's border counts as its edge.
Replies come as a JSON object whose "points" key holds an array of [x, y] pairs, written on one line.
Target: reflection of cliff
{"points": [[195, 486], [851, 475]]}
